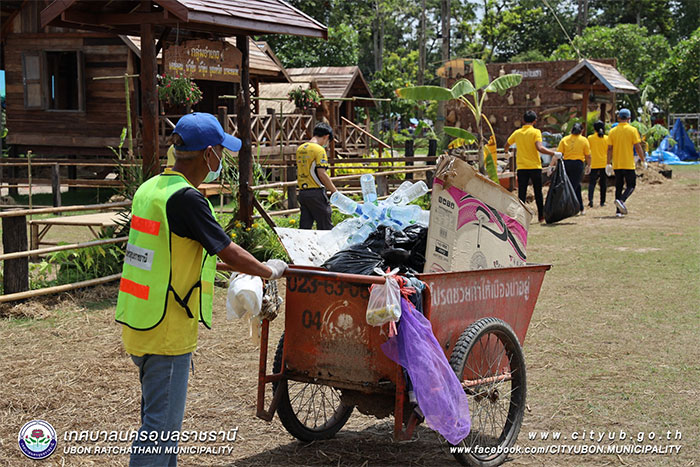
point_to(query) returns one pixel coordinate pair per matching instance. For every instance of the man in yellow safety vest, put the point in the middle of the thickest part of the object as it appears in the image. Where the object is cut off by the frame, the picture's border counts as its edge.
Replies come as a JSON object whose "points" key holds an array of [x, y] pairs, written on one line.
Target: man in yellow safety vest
{"points": [[167, 281]]}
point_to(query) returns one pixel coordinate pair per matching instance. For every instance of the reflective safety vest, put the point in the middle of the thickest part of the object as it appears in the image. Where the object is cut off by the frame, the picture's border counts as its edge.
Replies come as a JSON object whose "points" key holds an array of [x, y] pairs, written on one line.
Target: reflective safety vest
{"points": [[147, 273]]}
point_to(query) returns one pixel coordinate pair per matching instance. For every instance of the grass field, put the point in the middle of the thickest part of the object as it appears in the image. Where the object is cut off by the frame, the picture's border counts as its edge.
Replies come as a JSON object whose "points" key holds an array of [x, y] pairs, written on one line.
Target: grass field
{"points": [[612, 347]]}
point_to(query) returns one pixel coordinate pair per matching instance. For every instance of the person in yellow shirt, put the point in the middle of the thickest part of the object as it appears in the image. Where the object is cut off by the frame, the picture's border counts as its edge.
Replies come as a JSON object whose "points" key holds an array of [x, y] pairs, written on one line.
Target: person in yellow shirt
{"points": [[528, 144], [595, 165], [575, 149], [313, 181], [167, 282], [623, 140]]}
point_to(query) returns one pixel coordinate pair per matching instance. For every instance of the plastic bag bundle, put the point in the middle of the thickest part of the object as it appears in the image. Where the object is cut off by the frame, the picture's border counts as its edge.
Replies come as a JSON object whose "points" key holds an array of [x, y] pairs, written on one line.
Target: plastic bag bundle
{"points": [[438, 391], [561, 199], [384, 300], [244, 296]]}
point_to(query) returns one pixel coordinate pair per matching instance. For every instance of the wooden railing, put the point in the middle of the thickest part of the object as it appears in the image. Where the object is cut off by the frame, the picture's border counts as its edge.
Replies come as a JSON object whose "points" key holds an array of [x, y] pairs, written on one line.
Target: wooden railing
{"points": [[271, 129]]}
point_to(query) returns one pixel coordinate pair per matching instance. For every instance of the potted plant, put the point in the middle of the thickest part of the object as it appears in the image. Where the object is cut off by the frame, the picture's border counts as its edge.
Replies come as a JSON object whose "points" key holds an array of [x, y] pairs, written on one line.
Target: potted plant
{"points": [[178, 91], [304, 99]]}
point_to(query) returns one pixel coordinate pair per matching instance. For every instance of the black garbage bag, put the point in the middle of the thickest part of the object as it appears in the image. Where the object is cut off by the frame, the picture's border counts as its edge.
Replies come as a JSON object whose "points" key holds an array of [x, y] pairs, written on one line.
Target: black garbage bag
{"points": [[384, 248], [357, 259], [406, 249], [561, 199]]}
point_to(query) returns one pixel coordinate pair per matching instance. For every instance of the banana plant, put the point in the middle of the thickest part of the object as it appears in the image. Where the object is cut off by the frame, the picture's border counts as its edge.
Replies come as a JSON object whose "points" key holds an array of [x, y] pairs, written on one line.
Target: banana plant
{"points": [[472, 95]]}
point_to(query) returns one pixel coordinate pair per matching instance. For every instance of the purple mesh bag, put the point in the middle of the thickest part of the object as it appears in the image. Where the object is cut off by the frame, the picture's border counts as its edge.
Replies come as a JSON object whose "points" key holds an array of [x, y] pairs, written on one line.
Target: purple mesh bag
{"points": [[439, 393]]}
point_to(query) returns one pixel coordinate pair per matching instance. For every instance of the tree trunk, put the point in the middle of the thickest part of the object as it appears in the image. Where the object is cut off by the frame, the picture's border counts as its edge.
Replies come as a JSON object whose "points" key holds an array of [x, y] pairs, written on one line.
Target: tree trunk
{"points": [[421, 46], [445, 55], [582, 17], [378, 36]]}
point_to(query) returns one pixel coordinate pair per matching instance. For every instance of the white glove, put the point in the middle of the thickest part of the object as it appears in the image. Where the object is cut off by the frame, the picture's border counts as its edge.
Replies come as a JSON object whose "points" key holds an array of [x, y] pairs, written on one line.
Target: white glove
{"points": [[557, 154], [587, 170], [608, 170], [278, 267], [645, 164]]}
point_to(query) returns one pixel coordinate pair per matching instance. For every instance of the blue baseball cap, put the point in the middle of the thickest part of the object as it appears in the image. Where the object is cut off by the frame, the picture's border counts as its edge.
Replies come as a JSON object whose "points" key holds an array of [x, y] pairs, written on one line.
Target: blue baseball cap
{"points": [[199, 130], [624, 114]]}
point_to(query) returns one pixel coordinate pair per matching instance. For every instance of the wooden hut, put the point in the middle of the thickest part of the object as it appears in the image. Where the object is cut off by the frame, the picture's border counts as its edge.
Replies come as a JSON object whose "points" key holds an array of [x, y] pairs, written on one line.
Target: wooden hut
{"points": [[590, 77], [337, 82], [57, 33]]}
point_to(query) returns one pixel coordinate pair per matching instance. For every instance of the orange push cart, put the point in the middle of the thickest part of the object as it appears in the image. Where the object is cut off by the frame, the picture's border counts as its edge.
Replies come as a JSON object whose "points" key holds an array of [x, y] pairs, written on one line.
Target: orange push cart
{"points": [[329, 361]]}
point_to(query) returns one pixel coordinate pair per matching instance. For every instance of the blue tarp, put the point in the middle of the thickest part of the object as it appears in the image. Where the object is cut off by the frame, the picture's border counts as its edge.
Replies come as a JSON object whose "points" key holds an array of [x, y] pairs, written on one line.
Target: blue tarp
{"points": [[684, 147], [663, 154]]}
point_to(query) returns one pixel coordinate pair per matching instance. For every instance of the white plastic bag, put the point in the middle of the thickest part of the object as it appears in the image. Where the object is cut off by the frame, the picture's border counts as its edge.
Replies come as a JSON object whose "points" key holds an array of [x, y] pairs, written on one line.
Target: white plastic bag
{"points": [[244, 296], [384, 300]]}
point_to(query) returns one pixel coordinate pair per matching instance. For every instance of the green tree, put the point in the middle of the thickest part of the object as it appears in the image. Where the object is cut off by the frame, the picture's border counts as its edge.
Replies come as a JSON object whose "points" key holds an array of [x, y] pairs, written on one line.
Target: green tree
{"points": [[637, 52], [654, 15], [512, 27], [687, 18], [676, 82], [341, 48], [399, 70]]}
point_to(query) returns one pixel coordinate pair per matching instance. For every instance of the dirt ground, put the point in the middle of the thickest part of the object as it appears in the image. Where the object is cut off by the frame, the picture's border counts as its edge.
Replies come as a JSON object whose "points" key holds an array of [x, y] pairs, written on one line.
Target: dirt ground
{"points": [[612, 348]]}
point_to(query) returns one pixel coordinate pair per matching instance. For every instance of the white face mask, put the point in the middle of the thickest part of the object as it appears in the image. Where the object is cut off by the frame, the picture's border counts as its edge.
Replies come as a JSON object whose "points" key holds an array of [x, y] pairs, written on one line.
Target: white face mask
{"points": [[213, 174]]}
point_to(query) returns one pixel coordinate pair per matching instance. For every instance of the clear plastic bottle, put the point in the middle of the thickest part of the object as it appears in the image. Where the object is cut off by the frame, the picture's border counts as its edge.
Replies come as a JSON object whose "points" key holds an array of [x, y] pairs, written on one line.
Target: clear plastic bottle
{"points": [[396, 197], [345, 204], [424, 218], [417, 190], [361, 234], [369, 188], [338, 237], [404, 215]]}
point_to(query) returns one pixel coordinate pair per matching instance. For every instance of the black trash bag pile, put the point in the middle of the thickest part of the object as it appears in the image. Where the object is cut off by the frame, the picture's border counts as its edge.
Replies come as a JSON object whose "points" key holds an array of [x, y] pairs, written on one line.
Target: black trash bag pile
{"points": [[384, 248], [561, 199]]}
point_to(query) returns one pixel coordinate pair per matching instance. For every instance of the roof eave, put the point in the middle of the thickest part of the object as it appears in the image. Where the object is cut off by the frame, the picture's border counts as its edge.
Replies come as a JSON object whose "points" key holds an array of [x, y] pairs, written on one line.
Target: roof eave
{"points": [[253, 27]]}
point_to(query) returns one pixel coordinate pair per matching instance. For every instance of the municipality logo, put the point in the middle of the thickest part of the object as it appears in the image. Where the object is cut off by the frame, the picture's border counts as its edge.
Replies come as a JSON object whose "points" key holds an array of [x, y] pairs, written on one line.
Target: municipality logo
{"points": [[37, 439]]}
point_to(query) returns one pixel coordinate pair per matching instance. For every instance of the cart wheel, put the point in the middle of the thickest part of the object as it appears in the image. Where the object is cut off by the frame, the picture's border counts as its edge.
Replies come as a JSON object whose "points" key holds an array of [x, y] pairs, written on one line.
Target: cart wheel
{"points": [[489, 361], [308, 411]]}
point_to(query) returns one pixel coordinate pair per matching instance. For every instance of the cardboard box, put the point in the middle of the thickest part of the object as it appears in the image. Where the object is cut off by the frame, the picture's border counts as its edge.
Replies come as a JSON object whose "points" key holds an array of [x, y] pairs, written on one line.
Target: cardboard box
{"points": [[474, 222]]}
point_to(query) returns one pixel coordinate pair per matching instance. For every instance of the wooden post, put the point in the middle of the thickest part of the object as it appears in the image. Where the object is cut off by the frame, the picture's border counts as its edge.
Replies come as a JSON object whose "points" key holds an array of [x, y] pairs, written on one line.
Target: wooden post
{"points": [[585, 111], [314, 120], [273, 126], [56, 184], [331, 145], [382, 185], [13, 191], [14, 238], [291, 190], [344, 136], [408, 152], [368, 127], [222, 112], [245, 157], [432, 152], [149, 102]]}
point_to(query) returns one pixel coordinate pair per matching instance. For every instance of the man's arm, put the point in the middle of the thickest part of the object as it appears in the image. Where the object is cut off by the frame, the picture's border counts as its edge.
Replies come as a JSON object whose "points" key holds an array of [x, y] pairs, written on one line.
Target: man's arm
{"points": [[542, 149], [242, 261], [640, 151], [610, 152], [325, 179]]}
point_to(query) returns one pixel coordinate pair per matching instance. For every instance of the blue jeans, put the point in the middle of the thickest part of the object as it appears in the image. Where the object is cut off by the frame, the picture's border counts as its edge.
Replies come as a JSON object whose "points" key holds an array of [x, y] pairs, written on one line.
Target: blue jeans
{"points": [[163, 393]]}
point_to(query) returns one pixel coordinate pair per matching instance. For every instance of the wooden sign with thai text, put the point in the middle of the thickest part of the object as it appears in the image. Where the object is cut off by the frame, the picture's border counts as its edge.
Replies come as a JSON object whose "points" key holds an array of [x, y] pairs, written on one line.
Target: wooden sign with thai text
{"points": [[204, 59]]}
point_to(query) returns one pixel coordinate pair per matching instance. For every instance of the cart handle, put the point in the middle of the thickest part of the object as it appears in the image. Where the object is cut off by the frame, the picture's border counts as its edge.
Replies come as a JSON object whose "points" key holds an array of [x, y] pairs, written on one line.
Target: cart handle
{"points": [[296, 271]]}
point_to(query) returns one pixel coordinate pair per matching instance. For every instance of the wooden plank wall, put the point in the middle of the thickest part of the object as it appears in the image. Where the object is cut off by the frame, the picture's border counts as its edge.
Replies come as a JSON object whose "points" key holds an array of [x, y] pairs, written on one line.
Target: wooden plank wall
{"points": [[56, 132]]}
